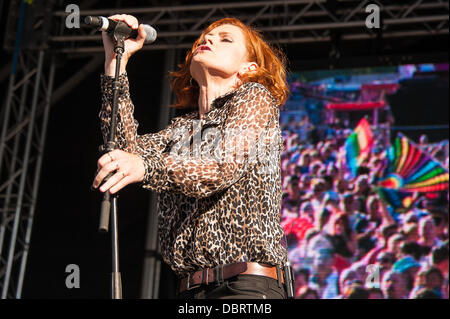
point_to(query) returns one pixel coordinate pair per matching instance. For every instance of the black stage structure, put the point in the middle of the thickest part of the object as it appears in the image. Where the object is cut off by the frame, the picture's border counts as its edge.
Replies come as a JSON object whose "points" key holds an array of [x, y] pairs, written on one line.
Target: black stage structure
{"points": [[50, 131]]}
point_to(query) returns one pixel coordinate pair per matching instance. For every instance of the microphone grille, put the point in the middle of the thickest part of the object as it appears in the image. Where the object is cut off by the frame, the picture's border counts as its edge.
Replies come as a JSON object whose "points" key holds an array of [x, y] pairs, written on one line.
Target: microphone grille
{"points": [[151, 34]]}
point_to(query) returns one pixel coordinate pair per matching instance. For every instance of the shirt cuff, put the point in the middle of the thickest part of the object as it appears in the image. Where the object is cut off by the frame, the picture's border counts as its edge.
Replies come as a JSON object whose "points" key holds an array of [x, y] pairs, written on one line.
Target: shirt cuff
{"points": [[155, 177]]}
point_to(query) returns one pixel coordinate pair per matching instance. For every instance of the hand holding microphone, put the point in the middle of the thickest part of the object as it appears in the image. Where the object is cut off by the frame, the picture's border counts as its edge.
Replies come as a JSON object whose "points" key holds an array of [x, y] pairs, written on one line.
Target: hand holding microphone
{"points": [[120, 28], [136, 35]]}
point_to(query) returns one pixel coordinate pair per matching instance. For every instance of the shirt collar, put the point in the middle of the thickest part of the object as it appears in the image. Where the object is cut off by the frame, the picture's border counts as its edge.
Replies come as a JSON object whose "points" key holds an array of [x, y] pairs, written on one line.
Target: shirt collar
{"points": [[220, 101]]}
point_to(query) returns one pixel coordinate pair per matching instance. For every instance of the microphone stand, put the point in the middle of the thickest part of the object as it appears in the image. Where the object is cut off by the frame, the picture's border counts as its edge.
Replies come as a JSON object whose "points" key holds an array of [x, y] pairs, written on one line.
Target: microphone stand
{"points": [[109, 202]]}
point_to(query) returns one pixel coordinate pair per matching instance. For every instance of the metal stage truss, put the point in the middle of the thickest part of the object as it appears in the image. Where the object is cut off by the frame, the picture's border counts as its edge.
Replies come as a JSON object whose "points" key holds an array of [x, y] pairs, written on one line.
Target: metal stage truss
{"points": [[294, 21], [30, 93]]}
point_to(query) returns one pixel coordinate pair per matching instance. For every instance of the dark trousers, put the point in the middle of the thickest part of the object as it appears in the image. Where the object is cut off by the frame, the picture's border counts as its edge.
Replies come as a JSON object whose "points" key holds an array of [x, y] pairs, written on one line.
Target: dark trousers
{"points": [[239, 287]]}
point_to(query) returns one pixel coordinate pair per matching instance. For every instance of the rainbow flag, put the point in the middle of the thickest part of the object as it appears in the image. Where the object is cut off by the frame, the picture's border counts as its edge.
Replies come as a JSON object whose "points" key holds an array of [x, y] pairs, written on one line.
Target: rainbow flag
{"points": [[410, 169], [358, 145]]}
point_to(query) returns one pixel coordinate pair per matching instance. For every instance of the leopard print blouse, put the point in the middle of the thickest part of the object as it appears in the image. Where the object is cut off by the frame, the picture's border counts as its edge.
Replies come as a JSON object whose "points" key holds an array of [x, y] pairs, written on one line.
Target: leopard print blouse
{"points": [[218, 178]]}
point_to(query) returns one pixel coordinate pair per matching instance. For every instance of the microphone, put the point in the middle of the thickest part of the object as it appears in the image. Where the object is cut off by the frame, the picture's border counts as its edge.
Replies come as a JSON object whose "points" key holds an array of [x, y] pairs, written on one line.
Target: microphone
{"points": [[119, 27]]}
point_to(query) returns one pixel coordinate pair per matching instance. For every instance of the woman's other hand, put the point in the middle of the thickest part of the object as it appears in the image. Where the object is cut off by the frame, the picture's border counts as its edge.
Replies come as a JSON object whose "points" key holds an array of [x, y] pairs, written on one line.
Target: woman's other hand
{"points": [[131, 45], [127, 168]]}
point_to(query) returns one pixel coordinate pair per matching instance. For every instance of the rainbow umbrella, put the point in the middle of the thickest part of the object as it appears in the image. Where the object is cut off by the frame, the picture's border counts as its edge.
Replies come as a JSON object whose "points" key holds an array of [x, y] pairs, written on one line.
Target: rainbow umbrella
{"points": [[399, 201], [410, 169]]}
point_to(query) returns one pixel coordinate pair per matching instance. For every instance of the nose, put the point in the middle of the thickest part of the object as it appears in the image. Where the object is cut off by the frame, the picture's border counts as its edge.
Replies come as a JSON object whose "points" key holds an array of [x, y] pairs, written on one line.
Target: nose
{"points": [[208, 39]]}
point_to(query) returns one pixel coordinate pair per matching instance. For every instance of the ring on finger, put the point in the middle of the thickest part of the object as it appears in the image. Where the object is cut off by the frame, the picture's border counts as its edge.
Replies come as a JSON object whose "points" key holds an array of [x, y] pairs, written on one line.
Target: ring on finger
{"points": [[110, 157]]}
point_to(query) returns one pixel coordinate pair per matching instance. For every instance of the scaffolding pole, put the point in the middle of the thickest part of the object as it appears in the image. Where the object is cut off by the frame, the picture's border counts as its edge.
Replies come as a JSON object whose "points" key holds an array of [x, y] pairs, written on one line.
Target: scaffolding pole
{"points": [[22, 142]]}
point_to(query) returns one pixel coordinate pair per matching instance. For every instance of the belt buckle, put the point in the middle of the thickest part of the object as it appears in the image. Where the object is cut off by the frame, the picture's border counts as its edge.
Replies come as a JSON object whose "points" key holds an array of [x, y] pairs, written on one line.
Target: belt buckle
{"points": [[188, 285]]}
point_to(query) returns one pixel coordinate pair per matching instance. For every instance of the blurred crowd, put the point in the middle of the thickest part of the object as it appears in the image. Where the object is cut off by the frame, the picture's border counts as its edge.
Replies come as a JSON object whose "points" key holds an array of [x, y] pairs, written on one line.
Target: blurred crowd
{"points": [[344, 241]]}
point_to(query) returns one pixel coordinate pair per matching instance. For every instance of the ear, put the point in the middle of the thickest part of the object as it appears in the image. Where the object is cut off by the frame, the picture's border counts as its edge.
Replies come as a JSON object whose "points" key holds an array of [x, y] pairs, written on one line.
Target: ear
{"points": [[248, 67]]}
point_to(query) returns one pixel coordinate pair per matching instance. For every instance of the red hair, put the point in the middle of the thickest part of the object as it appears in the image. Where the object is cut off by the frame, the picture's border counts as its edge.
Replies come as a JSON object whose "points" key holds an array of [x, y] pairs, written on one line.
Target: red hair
{"points": [[271, 71]]}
